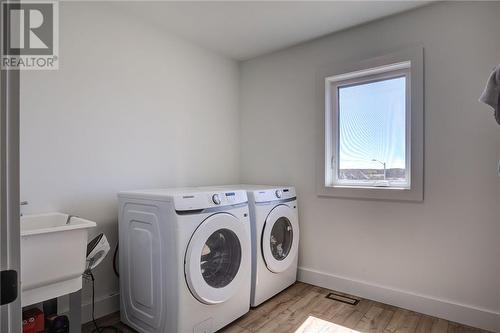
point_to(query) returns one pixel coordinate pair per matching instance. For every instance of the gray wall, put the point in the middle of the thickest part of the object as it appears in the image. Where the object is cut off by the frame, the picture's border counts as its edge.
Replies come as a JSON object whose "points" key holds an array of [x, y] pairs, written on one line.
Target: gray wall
{"points": [[130, 107], [445, 250]]}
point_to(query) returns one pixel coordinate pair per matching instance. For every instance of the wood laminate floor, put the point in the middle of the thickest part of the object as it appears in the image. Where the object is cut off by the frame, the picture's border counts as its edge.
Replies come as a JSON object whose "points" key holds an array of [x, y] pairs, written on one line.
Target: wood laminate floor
{"points": [[304, 308]]}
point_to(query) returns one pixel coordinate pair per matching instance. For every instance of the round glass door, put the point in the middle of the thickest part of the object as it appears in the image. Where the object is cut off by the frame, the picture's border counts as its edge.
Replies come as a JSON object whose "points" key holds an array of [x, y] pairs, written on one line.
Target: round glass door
{"points": [[220, 258], [281, 238], [217, 252]]}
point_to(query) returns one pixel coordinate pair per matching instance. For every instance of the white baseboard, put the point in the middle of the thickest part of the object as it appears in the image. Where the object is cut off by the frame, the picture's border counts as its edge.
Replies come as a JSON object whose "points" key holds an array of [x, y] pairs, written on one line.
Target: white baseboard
{"points": [[103, 306], [461, 313]]}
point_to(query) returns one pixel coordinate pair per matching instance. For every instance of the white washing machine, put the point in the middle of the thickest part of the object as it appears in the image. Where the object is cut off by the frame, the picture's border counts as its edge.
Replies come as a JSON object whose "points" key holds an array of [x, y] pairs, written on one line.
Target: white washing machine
{"points": [[275, 238], [185, 259]]}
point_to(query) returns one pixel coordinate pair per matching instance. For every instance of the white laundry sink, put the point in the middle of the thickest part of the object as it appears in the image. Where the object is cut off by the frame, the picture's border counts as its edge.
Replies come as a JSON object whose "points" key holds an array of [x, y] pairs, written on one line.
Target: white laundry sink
{"points": [[52, 255]]}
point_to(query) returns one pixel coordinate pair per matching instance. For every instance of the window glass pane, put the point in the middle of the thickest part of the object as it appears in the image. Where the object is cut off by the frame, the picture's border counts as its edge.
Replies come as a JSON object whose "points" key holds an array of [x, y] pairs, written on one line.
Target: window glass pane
{"points": [[220, 258], [372, 128]]}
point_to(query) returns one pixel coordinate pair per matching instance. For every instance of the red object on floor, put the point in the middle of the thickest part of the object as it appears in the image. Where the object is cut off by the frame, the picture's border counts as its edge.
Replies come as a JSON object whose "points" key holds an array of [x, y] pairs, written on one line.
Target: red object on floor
{"points": [[33, 321]]}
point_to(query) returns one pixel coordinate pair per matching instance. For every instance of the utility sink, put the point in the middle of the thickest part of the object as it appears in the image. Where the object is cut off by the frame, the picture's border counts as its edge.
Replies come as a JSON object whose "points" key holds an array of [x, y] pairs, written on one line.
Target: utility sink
{"points": [[52, 255]]}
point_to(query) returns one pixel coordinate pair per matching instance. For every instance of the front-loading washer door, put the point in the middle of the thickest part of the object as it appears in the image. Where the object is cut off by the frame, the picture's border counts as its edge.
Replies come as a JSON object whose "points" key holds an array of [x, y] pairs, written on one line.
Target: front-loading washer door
{"points": [[214, 256], [280, 238]]}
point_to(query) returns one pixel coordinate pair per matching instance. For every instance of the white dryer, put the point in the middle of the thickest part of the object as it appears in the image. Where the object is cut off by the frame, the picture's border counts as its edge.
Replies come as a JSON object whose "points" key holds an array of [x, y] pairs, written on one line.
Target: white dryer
{"points": [[185, 259], [275, 239]]}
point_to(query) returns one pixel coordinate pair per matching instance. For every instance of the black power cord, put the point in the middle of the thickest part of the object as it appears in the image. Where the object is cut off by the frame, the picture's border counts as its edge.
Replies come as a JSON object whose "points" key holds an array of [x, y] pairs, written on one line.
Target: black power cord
{"points": [[98, 329], [114, 261]]}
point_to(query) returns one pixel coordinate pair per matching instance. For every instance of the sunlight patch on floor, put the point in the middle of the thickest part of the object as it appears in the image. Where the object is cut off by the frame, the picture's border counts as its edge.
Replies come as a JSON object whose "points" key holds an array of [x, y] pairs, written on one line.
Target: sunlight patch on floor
{"points": [[316, 325]]}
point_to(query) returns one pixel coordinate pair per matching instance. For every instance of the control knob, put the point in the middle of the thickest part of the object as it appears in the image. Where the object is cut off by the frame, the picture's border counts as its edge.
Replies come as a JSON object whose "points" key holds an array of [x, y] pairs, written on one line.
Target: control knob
{"points": [[216, 199]]}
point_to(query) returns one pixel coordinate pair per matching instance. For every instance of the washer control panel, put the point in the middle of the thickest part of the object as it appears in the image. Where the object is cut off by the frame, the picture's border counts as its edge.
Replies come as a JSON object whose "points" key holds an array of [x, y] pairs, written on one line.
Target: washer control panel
{"points": [[274, 194], [224, 198], [209, 199]]}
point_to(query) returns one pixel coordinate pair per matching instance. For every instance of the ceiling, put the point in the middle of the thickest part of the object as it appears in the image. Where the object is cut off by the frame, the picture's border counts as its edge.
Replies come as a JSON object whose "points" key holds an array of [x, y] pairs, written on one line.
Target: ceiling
{"points": [[244, 29]]}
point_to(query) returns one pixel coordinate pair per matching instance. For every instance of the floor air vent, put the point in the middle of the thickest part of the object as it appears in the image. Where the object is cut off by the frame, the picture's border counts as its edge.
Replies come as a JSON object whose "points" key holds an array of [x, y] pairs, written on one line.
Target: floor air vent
{"points": [[343, 298]]}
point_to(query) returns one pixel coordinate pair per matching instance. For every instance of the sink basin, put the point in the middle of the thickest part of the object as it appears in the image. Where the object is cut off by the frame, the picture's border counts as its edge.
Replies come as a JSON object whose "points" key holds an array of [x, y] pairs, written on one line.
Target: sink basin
{"points": [[52, 255]]}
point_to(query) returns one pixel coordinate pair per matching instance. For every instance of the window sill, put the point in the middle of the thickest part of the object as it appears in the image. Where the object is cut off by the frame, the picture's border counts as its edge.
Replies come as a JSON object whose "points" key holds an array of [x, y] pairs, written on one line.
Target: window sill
{"points": [[374, 187], [372, 193]]}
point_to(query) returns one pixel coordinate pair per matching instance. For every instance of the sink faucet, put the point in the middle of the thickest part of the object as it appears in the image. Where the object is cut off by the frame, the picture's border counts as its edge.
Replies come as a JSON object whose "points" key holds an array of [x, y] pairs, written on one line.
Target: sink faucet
{"points": [[22, 203]]}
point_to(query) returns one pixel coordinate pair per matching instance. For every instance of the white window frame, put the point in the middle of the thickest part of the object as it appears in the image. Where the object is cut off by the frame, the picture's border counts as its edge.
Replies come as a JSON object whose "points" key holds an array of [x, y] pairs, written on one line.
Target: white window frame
{"points": [[407, 63], [332, 86]]}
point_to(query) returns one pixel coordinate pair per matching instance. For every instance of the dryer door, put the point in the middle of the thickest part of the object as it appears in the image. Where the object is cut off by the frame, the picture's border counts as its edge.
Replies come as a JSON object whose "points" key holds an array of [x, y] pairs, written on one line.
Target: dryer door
{"points": [[280, 238], [214, 256]]}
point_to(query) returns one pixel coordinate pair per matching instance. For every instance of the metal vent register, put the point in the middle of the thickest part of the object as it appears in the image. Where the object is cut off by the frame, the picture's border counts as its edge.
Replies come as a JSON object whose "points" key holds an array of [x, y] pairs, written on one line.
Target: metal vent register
{"points": [[343, 298]]}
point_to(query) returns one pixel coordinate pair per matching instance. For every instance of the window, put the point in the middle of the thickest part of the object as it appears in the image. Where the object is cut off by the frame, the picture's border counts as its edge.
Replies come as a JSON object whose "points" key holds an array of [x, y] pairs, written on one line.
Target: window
{"points": [[370, 129], [373, 133]]}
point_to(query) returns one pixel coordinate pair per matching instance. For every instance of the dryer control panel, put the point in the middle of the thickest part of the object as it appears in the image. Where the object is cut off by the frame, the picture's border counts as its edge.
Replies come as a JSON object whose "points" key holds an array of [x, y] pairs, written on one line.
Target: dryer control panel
{"points": [[274, 194], [209, 199]]}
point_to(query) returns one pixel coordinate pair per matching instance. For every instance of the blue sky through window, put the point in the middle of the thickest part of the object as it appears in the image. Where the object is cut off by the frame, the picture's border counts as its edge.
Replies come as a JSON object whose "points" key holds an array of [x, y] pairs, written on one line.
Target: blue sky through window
{"points": [[372, 124]]}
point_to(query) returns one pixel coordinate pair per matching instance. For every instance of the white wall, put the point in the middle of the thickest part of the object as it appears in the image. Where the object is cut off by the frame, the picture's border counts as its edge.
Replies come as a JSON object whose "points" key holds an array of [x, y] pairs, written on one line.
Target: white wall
{"points": [[445, 249], [134, 107], [130, 107]]}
